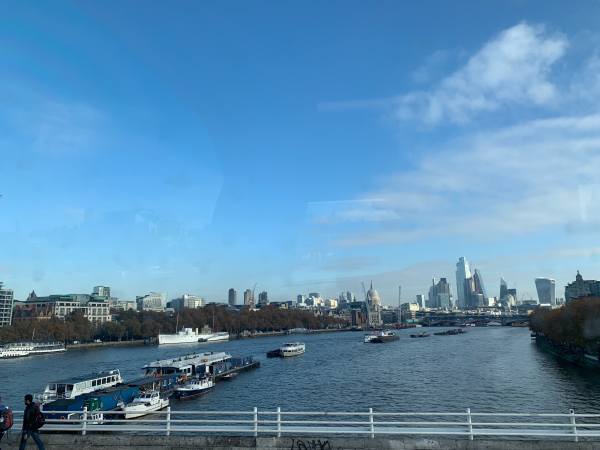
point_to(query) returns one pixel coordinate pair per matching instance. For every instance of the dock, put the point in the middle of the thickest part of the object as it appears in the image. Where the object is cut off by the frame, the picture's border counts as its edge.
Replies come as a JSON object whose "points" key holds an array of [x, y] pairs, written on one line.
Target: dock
{"points": [[243, 368]]}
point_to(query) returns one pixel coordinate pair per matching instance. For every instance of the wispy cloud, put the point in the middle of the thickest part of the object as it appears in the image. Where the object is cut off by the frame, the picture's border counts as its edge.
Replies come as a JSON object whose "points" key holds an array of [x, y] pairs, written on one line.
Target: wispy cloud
{"points": [[510, 181]]}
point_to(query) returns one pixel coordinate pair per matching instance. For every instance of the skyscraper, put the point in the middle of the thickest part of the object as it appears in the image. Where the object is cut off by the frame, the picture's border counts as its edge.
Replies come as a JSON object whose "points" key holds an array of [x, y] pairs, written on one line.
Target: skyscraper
{"points": [[232, 297], [546, 290], [248, 298], [462, 273], [263, 298], [101, 291], [479, 286], [439, 294], [503, 288], [6, 306]]}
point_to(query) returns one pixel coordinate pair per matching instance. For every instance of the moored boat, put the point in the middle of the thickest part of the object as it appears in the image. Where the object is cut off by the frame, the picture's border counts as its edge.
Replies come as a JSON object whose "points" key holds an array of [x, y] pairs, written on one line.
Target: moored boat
{"points": [[194, 387], [71, 388], [144, 403], [21, 349]]}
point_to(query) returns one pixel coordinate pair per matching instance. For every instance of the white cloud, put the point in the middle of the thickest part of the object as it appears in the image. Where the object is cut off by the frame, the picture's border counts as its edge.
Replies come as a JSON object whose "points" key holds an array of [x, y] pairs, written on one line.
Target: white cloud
{"points": [[511, 181], [511, 69]]}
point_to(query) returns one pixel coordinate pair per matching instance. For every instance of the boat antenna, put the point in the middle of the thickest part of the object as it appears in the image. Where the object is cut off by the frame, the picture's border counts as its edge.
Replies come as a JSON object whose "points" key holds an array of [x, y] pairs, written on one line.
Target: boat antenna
{"points": [[399, 315]]}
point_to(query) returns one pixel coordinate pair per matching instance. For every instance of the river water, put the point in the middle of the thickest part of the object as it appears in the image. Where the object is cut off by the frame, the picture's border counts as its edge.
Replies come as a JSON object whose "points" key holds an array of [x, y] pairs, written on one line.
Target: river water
{"points": [[496, 369]]}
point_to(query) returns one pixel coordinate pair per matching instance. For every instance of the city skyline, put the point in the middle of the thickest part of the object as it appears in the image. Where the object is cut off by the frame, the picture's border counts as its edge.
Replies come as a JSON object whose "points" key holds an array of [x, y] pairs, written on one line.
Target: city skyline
{"points": [[237, 148]]}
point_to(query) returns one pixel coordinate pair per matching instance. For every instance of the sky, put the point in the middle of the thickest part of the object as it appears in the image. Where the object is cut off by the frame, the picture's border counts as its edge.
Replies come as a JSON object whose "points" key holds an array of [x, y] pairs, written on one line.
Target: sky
{"points": [[190, 147]]}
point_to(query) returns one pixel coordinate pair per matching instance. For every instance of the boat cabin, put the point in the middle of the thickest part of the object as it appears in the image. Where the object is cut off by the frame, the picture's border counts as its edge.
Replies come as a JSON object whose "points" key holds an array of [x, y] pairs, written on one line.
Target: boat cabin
{"points": [[73, 387]]}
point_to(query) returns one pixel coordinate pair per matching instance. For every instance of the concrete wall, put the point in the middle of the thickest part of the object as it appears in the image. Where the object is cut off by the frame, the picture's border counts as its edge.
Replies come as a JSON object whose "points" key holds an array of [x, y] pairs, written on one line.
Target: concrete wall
{"points": [[131, 442]]}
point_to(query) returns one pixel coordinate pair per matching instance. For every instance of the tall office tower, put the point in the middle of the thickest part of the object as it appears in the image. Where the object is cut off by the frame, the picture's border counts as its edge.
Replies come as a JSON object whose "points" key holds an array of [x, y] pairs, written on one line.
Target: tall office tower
{"points": [[232, 297], [546, 290], [248, 298], [503, 288], [263, 298], [462, 273]]}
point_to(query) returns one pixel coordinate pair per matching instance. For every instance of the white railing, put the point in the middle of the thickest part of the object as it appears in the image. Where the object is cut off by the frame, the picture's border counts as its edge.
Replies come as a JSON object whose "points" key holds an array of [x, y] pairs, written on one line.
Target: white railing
{"points": [[369, 423]]}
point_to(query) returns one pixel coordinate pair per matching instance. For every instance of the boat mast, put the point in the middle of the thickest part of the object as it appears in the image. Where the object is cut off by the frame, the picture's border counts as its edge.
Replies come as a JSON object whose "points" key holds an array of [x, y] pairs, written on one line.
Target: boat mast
{"points": [[399, 315]]}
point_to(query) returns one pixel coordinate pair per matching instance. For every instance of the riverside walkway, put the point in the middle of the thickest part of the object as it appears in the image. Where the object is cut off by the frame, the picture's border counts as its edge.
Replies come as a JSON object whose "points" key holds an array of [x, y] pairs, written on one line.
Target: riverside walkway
{"points": [[274, 429]]}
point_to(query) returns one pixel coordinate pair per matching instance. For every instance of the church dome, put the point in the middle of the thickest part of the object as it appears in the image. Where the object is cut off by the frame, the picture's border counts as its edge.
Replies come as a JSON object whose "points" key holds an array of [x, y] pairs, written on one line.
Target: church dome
{"points": [[373, 296]]}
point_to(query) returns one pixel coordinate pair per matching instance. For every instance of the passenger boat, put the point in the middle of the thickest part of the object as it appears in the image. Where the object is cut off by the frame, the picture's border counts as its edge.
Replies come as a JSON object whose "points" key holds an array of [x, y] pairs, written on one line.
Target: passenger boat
{"points": [[292, 349], [144, 403], [194, 387], [20, 349], [76, 386], [384, 336]]}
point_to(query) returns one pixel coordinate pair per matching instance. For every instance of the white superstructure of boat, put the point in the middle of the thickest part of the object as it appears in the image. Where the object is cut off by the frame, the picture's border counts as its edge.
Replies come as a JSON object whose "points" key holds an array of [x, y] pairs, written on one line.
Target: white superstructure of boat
{"points": [[73, 387], [222, 336], [145, 403], [20, 349], [188, 365], [292, 349], [195, 387]]}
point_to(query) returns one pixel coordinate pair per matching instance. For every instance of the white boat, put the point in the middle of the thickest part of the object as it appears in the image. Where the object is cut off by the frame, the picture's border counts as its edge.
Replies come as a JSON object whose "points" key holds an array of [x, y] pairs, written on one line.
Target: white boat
{"points": [[493, 323], [194, 387], [192, 336], [370, 337], [292, 349], [222, 336], [72, 387], [20, 349], [145, 403], [184, 336]]}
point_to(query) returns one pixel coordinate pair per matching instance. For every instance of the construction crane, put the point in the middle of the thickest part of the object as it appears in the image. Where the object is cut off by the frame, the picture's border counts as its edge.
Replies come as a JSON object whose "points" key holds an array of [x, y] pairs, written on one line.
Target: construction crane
{"points": [[364, 291]]}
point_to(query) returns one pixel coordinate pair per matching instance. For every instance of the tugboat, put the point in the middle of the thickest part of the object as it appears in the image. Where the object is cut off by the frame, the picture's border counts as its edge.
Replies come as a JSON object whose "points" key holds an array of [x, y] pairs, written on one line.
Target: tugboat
{"points": [[194, 387]]}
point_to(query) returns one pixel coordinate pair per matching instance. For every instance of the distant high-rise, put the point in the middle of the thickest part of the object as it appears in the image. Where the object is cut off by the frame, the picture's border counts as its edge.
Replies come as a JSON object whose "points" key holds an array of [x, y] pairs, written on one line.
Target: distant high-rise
{"points": [[439, 294], [463, 273], [263, 298], [503, 288], [546, 290], [479, 286], [581, 288], [232, 297], [300, 299], [6, 306], [349, 297], [248, 298], [421, 301], [101, 291]]}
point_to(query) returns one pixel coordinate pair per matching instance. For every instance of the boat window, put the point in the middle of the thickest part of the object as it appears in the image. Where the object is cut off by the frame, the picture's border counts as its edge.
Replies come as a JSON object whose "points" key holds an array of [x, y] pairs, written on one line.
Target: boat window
{"points": [[94, 382]]}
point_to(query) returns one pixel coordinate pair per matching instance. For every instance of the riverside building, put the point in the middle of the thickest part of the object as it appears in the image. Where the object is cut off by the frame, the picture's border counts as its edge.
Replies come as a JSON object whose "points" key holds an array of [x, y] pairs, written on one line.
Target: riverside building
{"points": [[6, 306]]}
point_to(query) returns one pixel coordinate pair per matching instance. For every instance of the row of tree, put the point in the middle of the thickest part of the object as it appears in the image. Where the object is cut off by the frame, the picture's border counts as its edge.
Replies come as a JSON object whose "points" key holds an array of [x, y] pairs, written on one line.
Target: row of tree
{"points": [[577, 324], [142, 325]]}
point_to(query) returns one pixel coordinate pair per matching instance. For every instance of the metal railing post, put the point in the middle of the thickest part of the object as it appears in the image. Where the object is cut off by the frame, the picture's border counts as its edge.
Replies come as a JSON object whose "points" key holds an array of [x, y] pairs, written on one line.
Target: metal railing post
{"points": [[572, 412], [84, 421], [255, 421], [371, 423], [470, 422], [279, 421], [168, 421]]}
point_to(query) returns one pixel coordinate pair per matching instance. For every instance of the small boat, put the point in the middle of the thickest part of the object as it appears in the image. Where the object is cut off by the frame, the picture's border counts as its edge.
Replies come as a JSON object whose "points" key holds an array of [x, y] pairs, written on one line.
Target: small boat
{"points": [[420, 335], [230, 376], [292, 349], [144, 403], [20, 349], [194, 387], [381, 337]]}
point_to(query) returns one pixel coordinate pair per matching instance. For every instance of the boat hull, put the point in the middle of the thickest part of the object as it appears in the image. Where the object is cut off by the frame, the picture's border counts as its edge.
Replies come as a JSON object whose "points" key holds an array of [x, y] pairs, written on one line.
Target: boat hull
{"points": [[133, 412], [192, 393], [384, 339]]}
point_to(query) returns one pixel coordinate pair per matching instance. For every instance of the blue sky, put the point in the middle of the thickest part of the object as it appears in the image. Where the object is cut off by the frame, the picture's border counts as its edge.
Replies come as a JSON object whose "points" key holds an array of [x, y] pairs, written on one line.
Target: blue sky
{"points": [[197, 146]]}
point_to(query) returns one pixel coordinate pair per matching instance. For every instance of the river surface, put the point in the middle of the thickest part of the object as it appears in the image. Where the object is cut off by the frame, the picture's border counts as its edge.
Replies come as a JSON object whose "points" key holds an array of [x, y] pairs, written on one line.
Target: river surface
{"points": [[496, 369]]}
